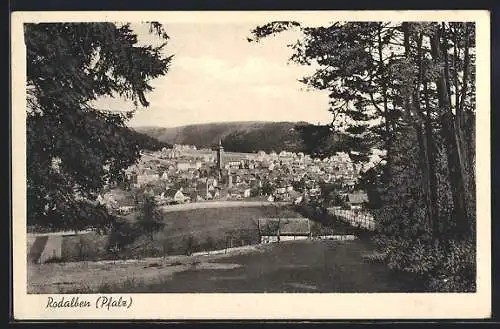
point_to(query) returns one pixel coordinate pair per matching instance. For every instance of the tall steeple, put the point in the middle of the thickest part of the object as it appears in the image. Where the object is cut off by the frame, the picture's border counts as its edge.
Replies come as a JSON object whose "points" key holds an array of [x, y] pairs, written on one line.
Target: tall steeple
{"points": [[220, 152]]}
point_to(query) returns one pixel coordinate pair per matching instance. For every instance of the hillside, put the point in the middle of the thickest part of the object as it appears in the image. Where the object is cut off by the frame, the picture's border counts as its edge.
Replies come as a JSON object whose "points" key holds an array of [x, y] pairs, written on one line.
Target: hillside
{"points": [[236, 136], [142, 140]]}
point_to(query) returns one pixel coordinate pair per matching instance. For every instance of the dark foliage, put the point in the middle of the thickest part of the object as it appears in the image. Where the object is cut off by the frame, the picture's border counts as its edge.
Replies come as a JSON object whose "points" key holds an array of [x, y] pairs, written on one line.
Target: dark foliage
{"points": [[74, 149], [408, 89], [123, 233], [149, 217], [241, 136], [144, 141]]}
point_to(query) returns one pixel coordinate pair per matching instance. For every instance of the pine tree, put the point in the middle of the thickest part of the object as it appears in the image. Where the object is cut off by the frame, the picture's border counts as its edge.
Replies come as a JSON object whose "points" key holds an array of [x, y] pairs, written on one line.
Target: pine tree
{"points": [[406, 88], [149, 217], [73, 148]]}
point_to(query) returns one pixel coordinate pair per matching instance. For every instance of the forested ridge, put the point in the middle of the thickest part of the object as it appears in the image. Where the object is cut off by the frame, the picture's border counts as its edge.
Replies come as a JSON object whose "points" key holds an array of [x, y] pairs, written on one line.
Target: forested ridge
{"points": [[248, 137], [144, 141]]}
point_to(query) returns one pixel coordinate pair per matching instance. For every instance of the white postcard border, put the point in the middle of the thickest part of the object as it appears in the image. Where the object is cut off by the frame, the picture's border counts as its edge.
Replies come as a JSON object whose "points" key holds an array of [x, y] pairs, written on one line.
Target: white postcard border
{"points": [[261, 305]]}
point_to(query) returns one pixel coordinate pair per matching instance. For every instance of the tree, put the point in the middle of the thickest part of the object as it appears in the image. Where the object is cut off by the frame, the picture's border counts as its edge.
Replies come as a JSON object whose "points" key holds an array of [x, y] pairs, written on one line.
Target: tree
{"points": [[299, 185], [330, 195], [267, 187], [276, 209], [149, 217], [73, 148], [399, 75], [255, 191], [405, 88]]}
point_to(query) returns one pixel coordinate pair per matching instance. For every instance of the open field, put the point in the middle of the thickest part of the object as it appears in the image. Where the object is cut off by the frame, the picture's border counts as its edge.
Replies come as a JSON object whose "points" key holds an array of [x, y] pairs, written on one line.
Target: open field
{"points": [[295, 266], [194, 229]]}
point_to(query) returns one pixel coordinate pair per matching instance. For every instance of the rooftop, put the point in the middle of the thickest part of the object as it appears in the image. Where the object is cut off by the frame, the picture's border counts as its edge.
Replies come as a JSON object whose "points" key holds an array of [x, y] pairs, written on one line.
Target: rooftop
{"points": [[357, 198]]}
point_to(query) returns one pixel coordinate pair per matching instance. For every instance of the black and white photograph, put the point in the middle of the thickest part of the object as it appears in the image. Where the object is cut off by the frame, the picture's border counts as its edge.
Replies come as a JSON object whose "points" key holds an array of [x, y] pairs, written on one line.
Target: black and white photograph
{"points": [[270, 156]]}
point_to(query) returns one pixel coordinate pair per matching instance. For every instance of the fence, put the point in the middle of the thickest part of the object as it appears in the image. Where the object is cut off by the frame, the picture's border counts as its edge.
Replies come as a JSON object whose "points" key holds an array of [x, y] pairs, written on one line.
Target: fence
{"points": [[356, 218]]}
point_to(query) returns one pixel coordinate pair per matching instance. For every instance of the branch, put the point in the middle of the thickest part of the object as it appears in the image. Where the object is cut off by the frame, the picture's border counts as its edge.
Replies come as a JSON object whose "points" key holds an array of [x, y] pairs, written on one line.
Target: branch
{"points": [[375, 104], [271, 28]]}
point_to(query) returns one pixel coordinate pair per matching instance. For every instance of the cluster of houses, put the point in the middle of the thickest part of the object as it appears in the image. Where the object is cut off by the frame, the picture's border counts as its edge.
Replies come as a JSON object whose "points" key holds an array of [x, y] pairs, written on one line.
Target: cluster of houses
{"points": [[186, 174]]}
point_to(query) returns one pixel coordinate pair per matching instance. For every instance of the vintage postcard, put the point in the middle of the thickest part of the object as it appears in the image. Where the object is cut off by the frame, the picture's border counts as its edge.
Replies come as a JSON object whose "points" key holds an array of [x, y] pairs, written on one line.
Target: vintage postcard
{"points": [[251, 165]]}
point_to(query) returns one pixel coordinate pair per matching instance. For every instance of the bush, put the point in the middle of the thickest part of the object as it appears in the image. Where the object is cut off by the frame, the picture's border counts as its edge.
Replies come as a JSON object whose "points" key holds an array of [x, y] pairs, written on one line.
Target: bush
{"points": [[54, 259], [149, 218], [168, 246], [209, 244], [153, 250], [444, 266], [191, 245], [122, 234], [83, 249], [313, 211]]}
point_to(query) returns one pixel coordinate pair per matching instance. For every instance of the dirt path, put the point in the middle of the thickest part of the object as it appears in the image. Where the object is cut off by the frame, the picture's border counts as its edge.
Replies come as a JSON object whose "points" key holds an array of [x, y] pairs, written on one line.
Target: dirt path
{"points": [[53, 248], [35, 247], [219, 204], [84, 277]]}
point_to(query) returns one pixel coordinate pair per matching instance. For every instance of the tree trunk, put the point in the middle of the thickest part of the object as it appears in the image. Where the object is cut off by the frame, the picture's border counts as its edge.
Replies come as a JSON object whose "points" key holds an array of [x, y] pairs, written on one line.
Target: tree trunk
{"points": [[279, 230], [428, 147], [412, 104], [447, 120], [463, 122], [432, 156], [389, 124], [387, 119]]}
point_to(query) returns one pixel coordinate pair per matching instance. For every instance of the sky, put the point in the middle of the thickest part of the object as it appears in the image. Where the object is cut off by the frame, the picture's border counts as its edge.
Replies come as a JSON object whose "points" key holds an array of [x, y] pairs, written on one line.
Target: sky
{"points": [[216, 75]]}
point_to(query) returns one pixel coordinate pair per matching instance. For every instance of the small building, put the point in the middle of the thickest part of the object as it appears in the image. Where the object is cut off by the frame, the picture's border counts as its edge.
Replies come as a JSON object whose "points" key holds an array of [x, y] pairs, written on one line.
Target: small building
{"points": [[283, 229], [175, 196], [207, 195], [125, 210], [108, 201], [298, 200], [281, 190], [146, 178], [315, 191], [187, 165], [356, 200]]}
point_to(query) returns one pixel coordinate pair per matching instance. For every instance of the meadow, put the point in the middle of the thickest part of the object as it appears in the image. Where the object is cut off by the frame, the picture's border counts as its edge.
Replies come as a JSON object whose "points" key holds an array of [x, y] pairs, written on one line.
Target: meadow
{"points": [[293, 267], [185, 232], [175, 259]]}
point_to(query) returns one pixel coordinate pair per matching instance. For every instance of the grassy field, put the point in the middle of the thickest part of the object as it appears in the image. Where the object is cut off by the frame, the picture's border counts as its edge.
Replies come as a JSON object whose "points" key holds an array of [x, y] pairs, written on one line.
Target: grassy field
{"points": [[184, 232], [86, 246], [295, 266]]}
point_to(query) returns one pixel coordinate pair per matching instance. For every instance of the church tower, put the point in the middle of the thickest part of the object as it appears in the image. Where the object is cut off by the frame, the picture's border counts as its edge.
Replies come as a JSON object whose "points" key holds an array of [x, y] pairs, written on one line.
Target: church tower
{"points": [[220, 152], [220, 165]]}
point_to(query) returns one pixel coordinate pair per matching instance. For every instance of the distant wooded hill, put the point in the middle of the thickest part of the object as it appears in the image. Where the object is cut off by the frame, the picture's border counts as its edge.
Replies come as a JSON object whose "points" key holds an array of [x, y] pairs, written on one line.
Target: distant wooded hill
{"points": [[144, 141], [236, 136]]}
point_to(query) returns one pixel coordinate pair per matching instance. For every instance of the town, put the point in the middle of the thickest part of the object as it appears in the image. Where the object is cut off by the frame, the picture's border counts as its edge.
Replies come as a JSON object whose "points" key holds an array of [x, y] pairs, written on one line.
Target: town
{"points": [[185, 174]]}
